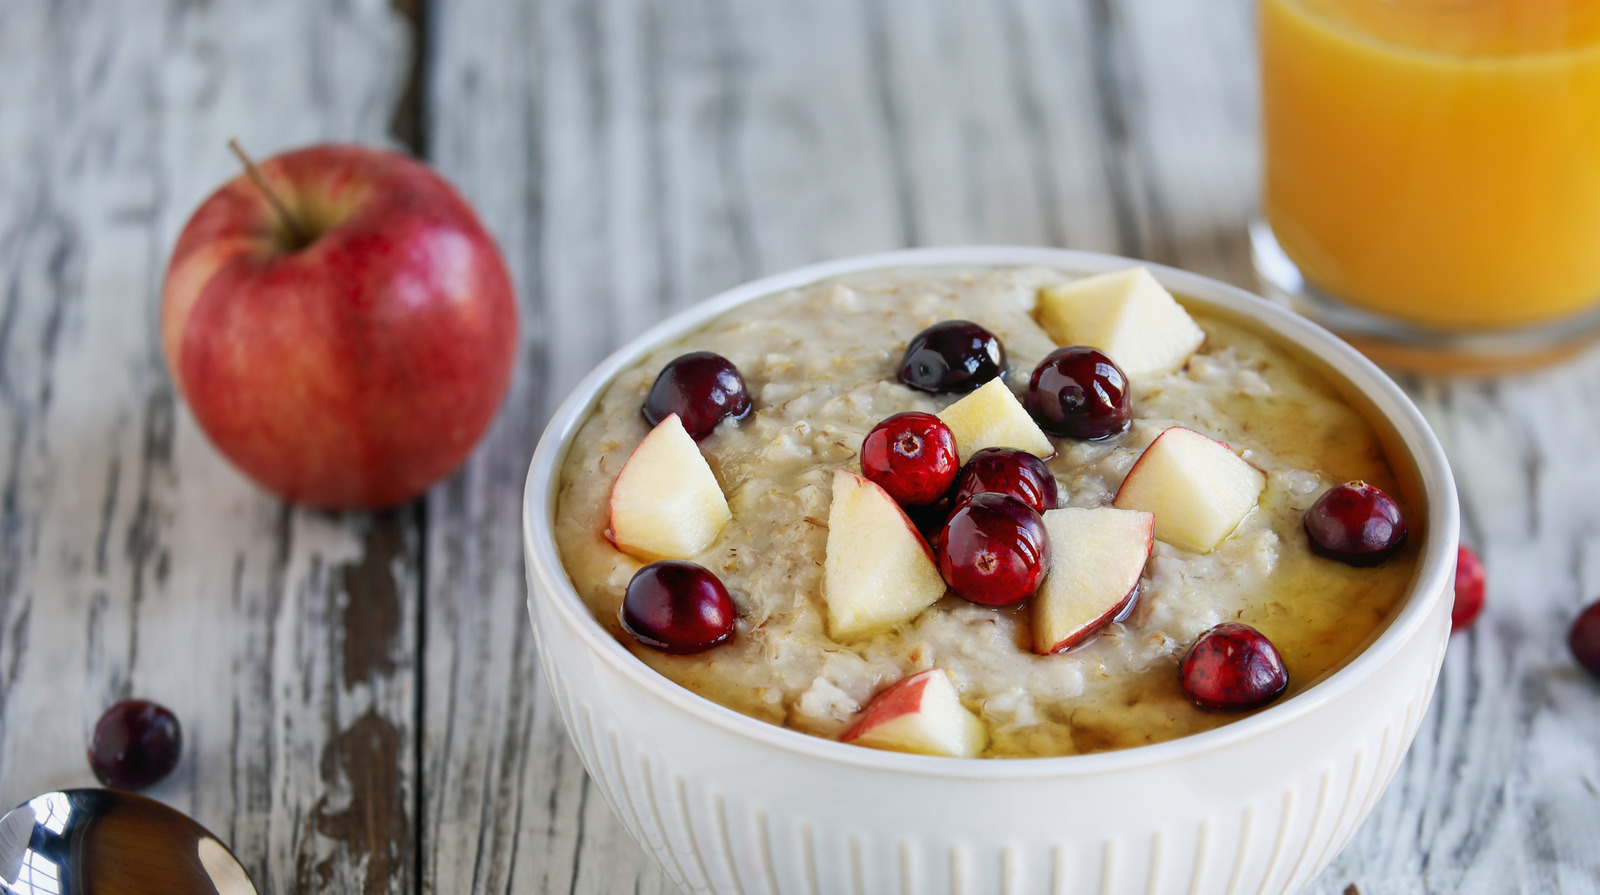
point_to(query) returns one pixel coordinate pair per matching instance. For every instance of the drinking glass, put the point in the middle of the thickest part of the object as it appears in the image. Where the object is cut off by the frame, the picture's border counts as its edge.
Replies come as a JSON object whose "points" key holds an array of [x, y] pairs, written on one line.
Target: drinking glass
{"points": [[1432, 182]]}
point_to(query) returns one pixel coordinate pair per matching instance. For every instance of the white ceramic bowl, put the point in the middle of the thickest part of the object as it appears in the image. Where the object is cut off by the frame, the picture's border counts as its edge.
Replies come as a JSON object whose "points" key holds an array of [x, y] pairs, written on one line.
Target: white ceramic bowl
{"points": [[726, 804]]}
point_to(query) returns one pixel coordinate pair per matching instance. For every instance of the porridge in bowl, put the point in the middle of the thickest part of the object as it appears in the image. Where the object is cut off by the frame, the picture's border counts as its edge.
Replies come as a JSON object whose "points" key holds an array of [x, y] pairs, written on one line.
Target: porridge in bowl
{"points": [[1009, 630]]}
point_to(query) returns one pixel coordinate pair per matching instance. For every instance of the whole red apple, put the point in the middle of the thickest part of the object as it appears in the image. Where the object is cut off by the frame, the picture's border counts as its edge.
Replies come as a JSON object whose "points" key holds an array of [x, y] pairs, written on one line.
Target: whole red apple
{"points": [[351, 354]]}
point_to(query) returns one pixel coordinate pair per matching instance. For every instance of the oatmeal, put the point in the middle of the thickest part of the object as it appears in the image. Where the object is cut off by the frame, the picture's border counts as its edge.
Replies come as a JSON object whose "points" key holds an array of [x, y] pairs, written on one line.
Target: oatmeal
{"points": [[820, 365]]}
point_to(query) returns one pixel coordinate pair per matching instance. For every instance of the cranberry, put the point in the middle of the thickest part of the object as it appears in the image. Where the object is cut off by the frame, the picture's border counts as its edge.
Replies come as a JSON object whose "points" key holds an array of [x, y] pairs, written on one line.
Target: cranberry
{"points": [[1079, 393], [1007, 471], [912, 456], [1584, 638], [702, 388], [677, 607], [1232, 668], [1469, 589], [994, 550], [1355, 523], [930, 519], [953, 356], [136, 743]]}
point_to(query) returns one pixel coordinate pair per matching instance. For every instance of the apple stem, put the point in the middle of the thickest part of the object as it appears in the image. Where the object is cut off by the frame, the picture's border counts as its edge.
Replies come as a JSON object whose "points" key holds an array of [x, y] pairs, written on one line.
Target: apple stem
{"points": [[289, 222]]}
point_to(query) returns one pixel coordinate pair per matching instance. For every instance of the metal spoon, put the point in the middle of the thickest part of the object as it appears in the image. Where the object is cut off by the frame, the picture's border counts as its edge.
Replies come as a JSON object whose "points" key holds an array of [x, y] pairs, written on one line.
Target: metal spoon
{"points": [[107, 842]]}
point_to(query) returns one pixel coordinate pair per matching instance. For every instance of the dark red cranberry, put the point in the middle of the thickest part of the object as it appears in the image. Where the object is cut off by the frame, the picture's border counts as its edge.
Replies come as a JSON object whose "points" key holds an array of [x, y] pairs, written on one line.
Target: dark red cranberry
{"points": [[912, 456], [136, 743], [930, 519], [1469, 589], [1355, 523], [1232, 668], [994, 550], [1007, 471], [1079, 393], [677, 607], [702, 388], [953, 356], [1584, 638]]}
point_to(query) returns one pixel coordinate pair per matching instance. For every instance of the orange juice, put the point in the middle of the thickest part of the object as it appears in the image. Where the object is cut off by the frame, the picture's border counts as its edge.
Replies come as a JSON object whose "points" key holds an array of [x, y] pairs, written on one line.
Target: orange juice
{"points": [[1437, 161]]}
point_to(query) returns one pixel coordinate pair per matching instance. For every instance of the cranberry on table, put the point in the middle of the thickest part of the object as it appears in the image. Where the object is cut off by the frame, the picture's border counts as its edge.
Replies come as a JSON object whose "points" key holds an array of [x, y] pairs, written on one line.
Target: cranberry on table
{"points": [[1078, 392], [1355, 523], [136, 743], [1007, 471], [1469, 589], [953, 356], [994, 550], [1584, 638], [912, 456], [703, 388], [1232, 668], [677, 607]]}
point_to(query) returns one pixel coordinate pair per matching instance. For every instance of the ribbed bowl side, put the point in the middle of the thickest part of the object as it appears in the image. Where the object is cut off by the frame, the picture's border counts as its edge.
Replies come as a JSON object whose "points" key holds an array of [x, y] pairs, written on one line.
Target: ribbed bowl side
{"points": [[720, 812]]}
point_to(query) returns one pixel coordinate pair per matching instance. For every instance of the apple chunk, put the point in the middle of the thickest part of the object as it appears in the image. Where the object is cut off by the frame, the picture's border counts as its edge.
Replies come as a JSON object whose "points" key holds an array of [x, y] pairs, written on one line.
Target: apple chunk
{"points": [[666, 503], [991, 416], [1099, 555], [1198, 489], [921, 714], [877, 571], [1126, 314]]}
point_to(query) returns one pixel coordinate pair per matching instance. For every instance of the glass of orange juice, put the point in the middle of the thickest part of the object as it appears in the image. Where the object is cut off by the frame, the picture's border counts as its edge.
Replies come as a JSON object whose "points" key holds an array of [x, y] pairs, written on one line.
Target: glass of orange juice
{"points": [[1432, 186]]}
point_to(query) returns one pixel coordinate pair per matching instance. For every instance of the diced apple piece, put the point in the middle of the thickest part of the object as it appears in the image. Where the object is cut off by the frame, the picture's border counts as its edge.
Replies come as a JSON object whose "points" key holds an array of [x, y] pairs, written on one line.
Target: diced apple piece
{"points": [[666, 503], [877, 572], [1198, 488], [991, 416], [1099, 555], [1126, 314], [921, 714]]}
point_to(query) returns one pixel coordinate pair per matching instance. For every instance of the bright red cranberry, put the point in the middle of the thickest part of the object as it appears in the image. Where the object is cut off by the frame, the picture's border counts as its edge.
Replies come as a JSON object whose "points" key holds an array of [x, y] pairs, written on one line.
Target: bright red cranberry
{"points": [[1469, 589], [136, 743], [994, 550], [1079, 393], [702, 388], [677, 607], [1584, 638], [912, 456], [1007, 471], [1355, 523], [1232, 668], [953, 356]]}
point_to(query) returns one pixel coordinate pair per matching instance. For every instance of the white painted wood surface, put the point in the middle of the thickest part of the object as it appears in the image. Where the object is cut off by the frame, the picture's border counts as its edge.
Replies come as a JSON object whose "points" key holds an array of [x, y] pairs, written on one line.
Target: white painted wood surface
{"points": [[360, 693]]}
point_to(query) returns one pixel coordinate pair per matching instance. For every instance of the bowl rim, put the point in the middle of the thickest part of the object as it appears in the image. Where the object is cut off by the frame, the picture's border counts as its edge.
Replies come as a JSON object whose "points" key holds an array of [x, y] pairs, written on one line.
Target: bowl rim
{"points": [[1436, 557]]}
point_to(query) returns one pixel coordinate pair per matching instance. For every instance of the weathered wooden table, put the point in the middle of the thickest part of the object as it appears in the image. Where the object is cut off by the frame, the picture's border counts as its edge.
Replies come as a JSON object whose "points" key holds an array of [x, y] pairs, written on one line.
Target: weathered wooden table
{"points": [[362, 705]]}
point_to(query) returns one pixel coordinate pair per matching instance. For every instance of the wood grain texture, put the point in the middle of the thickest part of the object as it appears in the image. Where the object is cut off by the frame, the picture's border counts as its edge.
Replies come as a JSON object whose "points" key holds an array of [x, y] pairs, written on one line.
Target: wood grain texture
{"points": [[660, 152], [361, 696], [133, 560]]}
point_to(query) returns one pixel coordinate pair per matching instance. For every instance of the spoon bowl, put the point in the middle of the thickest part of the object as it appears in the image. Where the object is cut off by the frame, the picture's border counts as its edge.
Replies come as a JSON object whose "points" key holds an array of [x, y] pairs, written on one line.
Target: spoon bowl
{"points": [[109, 842]]}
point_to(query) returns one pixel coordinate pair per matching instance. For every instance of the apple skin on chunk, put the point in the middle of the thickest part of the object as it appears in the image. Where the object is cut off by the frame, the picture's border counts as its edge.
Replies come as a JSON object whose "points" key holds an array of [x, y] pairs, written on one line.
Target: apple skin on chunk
{"points": [[1126, 314], [991, 416], [666, 503], [1197, 487], [1099, 556], [921, 714], [877, 571]]}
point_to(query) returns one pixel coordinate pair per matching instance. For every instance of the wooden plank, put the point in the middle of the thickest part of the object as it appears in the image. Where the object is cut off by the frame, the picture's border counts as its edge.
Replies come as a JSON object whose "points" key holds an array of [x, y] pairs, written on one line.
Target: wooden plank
{"points": [[635, 156], [1176, 83], [133, 560]]}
